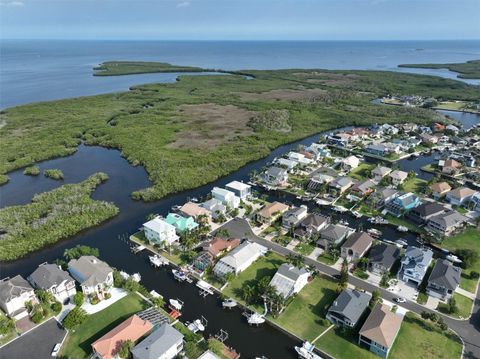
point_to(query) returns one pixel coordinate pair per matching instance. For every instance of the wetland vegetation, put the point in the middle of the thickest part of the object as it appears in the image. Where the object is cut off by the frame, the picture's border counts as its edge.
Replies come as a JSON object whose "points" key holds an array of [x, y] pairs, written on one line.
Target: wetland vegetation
{"points": [[465, 70]]}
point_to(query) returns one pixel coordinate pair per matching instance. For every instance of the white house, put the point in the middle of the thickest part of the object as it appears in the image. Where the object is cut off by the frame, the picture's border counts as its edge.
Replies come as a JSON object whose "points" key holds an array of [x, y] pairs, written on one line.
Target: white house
{"points": [[459, 196], [158, 231], [240, 189], [227, 197], [289, 280], [14, 293], [350, 163], [379, 172], [300, 158], [398, 177], [94, 275], [166, 342], [414, 264], [239, 259], [53, 279]]}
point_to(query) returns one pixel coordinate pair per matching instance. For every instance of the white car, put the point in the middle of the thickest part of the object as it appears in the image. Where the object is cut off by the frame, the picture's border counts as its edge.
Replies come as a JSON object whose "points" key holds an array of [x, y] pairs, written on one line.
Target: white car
{"points": [[56, 349], [399, 300]]}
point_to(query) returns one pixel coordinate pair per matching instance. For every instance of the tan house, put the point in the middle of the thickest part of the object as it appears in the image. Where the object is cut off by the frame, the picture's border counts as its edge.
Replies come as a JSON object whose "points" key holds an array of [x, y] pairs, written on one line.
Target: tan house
{"points": [[460, 195], [191, 209], [398, 177], [451, 167], [271, 212], [440, 189], [356, 246]]}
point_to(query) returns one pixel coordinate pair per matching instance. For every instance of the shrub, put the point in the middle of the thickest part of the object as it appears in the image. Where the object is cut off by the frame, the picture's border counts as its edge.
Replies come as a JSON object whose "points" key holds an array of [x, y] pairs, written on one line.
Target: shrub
{"points": [[75, 317], [108, 296], [80, 250], [94, 300], [37, 317], [56, 307], [474, 275], [78, 299], [53, 174], [31, 171]]}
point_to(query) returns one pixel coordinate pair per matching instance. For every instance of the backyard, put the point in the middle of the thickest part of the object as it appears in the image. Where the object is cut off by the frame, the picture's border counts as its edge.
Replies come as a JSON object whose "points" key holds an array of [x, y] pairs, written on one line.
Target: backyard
{"points": [[464, 306], [362, 172]]}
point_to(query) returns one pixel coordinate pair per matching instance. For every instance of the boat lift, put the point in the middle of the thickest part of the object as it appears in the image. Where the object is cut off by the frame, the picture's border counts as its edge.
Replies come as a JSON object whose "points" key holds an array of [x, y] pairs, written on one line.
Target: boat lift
{"points": [[205, 288], [221, 336], [138, 249]]}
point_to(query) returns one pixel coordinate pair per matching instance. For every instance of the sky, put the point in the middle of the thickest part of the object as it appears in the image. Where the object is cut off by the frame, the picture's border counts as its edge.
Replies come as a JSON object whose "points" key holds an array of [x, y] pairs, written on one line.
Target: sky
{"points": [[240, 19]]}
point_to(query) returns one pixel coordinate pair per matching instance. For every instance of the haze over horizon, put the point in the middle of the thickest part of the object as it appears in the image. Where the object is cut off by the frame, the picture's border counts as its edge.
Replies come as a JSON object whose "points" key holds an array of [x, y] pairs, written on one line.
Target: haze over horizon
{"points": [[240, 20]]}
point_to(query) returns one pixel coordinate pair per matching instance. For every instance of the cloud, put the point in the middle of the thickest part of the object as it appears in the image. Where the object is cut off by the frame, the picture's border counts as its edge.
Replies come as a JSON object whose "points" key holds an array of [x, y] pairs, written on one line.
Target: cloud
{"points": [[12, 3], [183, 4]]}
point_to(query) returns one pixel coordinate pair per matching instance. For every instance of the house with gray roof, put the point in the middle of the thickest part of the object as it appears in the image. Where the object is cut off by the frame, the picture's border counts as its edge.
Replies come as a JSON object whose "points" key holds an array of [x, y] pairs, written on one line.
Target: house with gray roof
{"points": [[333, 235], [356, 246], [275, 176], [292, 217], [381, 197], [166, 342], [320, 177], [215, 207], [289, 280], [446, 223], [94, 275], [348, 308], [444, 279], [14, 293], [239, 259], [414, 264], [53, 279], [382, 257], [379, 172], [425, 211], [340, 185], [311, 226]]}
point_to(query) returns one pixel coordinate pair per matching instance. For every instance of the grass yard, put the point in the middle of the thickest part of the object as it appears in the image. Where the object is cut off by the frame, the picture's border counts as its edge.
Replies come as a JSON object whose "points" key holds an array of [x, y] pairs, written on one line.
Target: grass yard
{"points": [[362, 172], [305, 315], [412, 227], [415, 341], [340, 345], [304, 248], [139, 238], [464, 305], [78, 342], [326, 258], [415, 185]]}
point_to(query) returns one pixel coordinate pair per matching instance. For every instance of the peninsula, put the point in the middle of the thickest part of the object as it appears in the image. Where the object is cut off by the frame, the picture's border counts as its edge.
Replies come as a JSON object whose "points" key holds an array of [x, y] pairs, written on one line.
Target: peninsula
{"points": [[465, 70]]}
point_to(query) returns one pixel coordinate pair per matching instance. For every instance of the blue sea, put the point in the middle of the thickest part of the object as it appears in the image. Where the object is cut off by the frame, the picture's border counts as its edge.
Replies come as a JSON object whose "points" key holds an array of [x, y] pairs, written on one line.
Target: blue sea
{"points": [[40, 70]]}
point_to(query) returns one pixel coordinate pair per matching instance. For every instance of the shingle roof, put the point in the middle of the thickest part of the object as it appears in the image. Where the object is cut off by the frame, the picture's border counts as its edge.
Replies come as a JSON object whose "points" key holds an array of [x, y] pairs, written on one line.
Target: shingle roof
{"points": [[440, 187], [351, 304], [381, 326], [286, 277], [93, 269], [48, 275], [428, 208], [242, 254], [445, 274], [382, 171], [270, 209], [359, 242], [11, 288], [334, 231], [314, 220], [384, 254], [449, 219], [157, 343], [461, 192]]}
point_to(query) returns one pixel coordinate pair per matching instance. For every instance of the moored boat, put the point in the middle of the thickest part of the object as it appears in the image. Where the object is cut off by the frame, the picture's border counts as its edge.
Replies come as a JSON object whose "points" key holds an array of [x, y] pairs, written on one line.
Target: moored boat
{"points": [[306, 351], [229, 303], [402, 229], [179, 275]]}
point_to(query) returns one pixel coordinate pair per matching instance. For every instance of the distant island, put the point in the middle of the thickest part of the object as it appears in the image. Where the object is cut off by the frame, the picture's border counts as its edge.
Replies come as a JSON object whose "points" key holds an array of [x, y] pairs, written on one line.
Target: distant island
{"points": [[465, 70], [118, 68]]}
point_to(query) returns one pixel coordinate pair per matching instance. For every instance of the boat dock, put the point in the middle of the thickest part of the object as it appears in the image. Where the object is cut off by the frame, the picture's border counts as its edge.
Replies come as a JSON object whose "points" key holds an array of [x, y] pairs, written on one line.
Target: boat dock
{"points": [[205, 288]]}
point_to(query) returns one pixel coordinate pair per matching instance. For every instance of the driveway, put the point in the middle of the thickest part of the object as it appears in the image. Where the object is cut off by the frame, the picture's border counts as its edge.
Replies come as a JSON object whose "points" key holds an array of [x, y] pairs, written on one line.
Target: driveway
{"points": [[37, 343]]}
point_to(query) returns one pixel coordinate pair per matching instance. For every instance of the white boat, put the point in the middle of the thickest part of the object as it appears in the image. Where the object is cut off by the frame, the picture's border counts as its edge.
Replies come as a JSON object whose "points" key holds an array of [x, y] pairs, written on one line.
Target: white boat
{"points": [[401, 242], [357, 214], [374, 232], [402, 229], [124, 275], [306, 351], [453, 258], [340, 209], [176, 304], [154, 294], [255, 319], [196, 326], [179, 275], [205, 288], [136, 277], [229, 303], [157, 261], [344, 222]]}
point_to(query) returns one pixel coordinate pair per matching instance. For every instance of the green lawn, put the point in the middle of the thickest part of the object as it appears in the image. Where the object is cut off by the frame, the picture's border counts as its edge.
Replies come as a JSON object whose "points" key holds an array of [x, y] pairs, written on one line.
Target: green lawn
{"points": [[403, 222], [304, 248], [173, 257], [468, 283], [303, 316], [464, 305], [416, 341], [79, 340], [326, 258], [414, 185], [342, 346], [362, 172]]}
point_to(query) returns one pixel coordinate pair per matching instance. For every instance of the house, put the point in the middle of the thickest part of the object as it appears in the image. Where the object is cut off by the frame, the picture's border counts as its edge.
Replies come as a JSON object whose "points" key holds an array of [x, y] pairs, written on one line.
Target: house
{"points": [[402, 204], [217, 246], [209, 355], [94, 275], [339, 139], [444, 280], [286, 163], [440, 189], [429, 139], [240, 189], [275, 176], [475, 202], [271, 212], [14, 293], [239, 259], [348, 308], [215, 207], [414, 264], [377, 149], [311, 225], [350, 163], [425, 211], [158, 231], [181, 224], [451, 167], [300, 158], [379, 172], [379, 331], [320, 177], [382, 257], [446, 223], [333, 235], [53, 279], [191, 209], [165, 342], [381, 197], [289, 280], [294, 216], [109, 345], [356, 246], [398, 177], [460, 196], [362, 189], [228, 198], [452, 128], [340, 185]]}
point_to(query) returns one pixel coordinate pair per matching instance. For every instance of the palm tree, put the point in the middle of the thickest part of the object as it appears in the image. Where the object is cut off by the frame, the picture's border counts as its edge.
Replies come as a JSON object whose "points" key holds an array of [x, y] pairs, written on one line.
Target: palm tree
{"points": [[296, 260], [248, 292]]}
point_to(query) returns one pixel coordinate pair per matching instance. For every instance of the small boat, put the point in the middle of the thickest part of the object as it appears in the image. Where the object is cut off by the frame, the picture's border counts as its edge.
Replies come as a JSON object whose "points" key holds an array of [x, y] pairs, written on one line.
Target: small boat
{"points": [[401, 242], [136, 277], [157, 261], [453, 258], [306, 351], [374, 232], [340, 209], [176, 207], [402, 229], [357, 214], [255, 319], [194, 199], [177, 304], [344, 222], [124, 275], [229, 303], [196, 326], [154, 294], [205, 288], [138, 249], [179, 275]]}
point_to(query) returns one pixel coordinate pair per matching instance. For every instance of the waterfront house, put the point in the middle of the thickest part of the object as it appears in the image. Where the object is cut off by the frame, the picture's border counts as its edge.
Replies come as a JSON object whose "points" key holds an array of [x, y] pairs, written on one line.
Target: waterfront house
{"points": [[158, 231], [475, 202], [429, 139], [191, 209], [311, 226], [333, 235], [362, 189], [402, 204], [165, 342], [227, 197], [286, 163], [275, 176], [340, 185], [425, 211], [294, 216], [440, 189], [14, 293], [340, 139], [289, 280], [379, 331], [53, 279], [218, 246], [451, 167], [382, 257], [350, 163], [379, 172], [109, 345], [414, 264], [356, 246], [321, 176], [240, 189], [215, 207], [446, 223], [271, 212], [300, 158], [381, 197], [239, 259], [398, 177], [460, 196], [95, 276], [444, 280], [377, 149], [181, 224], [348, 308]]}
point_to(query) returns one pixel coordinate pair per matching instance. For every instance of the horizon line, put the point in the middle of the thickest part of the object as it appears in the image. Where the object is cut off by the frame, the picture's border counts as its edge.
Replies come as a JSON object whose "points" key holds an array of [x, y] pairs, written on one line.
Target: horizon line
{"points": [[230, 40]]}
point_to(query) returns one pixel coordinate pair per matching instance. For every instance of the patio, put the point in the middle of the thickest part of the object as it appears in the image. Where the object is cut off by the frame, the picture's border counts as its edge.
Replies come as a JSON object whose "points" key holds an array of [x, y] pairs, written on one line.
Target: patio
{"points": [[116, 293]]}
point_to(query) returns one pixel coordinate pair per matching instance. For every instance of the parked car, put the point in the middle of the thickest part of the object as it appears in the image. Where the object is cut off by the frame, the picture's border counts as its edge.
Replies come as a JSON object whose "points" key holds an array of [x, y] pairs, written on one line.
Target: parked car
{"points": [[399, 300], [56, 349]]}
